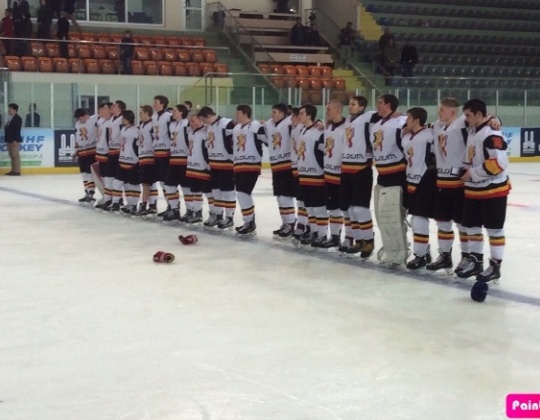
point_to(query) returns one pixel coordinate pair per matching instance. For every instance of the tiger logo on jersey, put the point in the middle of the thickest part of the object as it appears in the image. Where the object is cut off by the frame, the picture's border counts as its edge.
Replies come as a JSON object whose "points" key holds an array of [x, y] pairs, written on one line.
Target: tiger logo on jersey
{"points": [[140, 140], [83, 133], [276, 141], [329, 147], [99, 132], [378, 140], [190, 147], [156, 133], [349, 136], [293, 145], [471, 153], [410, 154], [442, 144], [174, 136], [241, 143], [302, 150], [122, 143], [210, 140]]}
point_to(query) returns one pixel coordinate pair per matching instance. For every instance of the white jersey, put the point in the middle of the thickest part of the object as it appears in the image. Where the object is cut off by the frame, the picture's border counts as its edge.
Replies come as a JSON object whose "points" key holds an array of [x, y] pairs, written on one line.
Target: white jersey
{"points": [[197, 161], [219, 144], [311, 157], [450, 149], [162, 139], [334, 138], [488, 163], [295, 138], [385, 136], [179, 142], [279, 144], [247, 146], [103, 133], [129, 137], [357, 150], [86, 136], [146, 143], [114, 135], [417, 147]]}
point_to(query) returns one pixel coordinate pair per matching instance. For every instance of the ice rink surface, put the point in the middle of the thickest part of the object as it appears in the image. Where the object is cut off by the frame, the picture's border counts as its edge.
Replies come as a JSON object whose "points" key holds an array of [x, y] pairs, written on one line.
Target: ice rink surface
{"points": [[92, 329]]}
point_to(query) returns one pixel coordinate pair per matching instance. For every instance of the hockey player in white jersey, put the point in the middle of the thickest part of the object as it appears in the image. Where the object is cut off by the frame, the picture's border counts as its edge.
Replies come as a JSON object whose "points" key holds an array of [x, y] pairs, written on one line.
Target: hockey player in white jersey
{"points": [[85, 151]]}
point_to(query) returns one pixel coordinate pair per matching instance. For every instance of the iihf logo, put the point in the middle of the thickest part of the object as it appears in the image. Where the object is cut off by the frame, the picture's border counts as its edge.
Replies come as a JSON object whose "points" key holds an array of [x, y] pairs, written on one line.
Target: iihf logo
{"points": [[67, 148], [528, 146]]}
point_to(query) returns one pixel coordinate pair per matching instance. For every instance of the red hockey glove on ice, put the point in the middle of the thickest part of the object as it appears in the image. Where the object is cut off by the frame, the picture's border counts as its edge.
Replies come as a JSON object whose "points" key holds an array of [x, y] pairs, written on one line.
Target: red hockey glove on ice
{"points": [[163, 257], [188, 240]]}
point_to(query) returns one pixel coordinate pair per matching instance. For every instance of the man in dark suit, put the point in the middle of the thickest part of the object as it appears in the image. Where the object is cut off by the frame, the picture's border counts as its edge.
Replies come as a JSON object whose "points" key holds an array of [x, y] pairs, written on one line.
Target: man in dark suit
{"points": [[12, 133]]}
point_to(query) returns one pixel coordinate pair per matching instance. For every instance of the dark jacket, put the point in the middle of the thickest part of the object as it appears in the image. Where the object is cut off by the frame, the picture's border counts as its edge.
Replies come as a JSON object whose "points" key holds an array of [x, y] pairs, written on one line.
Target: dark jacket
{"points": [[12, 131], [127, 48], [409, 54]]}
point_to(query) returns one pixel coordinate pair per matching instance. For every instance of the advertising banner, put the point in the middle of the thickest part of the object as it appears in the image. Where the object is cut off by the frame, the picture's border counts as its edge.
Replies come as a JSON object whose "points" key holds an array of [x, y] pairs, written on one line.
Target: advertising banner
{"points": [[36, 149], [530, 142], [513, 140], [64, 148]]}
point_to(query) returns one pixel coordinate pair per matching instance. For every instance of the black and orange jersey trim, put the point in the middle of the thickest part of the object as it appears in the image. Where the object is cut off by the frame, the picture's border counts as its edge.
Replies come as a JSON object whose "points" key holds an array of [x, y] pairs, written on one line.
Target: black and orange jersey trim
{"points": [[312, 181], [490, 191], [391, 168], [162, 153], [281, 166], [352, 168], [203, 175], [143, 161], [113, 152], [127, 166], [450, 183], [86, 152], [331, 178], [411, 188], [102, 158], [221, 165], [247, 167], [178, 161]]}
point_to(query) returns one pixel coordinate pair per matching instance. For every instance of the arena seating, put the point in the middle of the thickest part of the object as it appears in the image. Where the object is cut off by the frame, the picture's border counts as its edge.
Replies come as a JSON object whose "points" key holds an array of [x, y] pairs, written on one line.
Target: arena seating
{"points": [[167, 56]]}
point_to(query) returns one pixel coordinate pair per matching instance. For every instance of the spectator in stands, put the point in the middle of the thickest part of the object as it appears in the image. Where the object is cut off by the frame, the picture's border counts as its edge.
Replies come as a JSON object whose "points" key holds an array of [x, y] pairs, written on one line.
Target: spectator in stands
{"points": [[62, 33], [298, 33], [390, 59], [25, 31], [33, 119], [69, 8], [44, 21], [313, 38], [127, 49], [346, 43], [409, 58], [7, 31]]}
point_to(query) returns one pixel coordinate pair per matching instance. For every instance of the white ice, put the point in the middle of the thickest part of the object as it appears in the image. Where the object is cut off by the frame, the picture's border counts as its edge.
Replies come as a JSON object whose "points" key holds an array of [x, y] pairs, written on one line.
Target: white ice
{"points": [[91, 328]]}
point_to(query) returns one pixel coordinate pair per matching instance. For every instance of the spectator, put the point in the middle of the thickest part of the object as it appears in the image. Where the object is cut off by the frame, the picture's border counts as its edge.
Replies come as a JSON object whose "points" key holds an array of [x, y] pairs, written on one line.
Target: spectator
{"points": [[44, 21], [346, 43], [13, 138], [7, 31], [127, 48], [25, 32], [409, 58], [383, 40], [390, 57], [313, 37], [62, 33], [69, 8], [298, 33], [33, 119]]}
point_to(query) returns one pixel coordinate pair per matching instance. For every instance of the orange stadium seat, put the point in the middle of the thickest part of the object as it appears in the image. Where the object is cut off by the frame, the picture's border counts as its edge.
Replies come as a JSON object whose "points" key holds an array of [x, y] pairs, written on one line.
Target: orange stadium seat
{"points": [[13, 63], [104, 38], [303, 82], [92, 65], [278, 82], [315, 71], [73, 51], [315, 83], [116, 38], [326, 71], [180, 69], [29, 64], [165, 68], [199, 42], [264, 68], [150, 67], [187, 41], [184, 56], [142, 54], [276, 69], [221, 68], [113, 53], [169, 54], [302, 70], [291, 82], [290, 70], [174, 41], [160, 41], [107, 66], [75, 36], [88, 37], [84, 51], [326, 83], [148, 40], [206, 68], [137, 67], [197, 56], [98, 51], [45, 65], [339, 84], [53, 50], [156, 54], [60, 65], [193, 70], [38, 49], [210, 56], [76, 65]]}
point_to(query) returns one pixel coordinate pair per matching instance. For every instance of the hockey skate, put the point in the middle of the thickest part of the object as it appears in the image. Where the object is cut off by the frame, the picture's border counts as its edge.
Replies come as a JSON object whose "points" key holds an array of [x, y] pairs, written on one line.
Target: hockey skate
{"points": [[172, 215], [473, 267], [128, 210], [345, 245], [307, 238], [102, 204], [463, 263], [419, 263], [247, 229], [188, 214], [226, 224], [300, 231], [150, 213], [194, 218], [163, 213], [140, 210], [330, 244], [492, 274], [113, 208], [444, 262], [212, 221], [287, 231]]}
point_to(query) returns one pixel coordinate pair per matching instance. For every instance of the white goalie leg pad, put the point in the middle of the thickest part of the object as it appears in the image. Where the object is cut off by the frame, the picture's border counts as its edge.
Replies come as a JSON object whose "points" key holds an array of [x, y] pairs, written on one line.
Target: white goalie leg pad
{"points": [[390, 216]]}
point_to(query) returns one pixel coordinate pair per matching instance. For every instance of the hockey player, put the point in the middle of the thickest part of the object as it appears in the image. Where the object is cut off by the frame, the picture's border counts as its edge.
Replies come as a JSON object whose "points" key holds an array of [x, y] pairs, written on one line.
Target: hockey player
{"points": [[162, 145], [421, 178], [248, 139], [385, 136], [198, 169], [357, 179], [301, 212], [334, 138], [176, 172], [127, 173], [85, 151], [147, 167], [486, 191], [114, 144], [106, 170], [278, 133], [311, 177], [220, 151]]}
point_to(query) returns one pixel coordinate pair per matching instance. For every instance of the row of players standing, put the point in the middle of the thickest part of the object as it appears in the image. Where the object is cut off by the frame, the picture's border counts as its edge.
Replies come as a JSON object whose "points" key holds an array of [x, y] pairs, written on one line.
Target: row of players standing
{"points": [[453, 171]]}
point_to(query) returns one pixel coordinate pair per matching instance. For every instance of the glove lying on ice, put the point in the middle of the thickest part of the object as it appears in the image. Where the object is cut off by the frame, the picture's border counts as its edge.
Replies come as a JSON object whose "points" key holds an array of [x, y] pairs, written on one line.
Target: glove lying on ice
{"points": [[163, 257], [188, 239]]}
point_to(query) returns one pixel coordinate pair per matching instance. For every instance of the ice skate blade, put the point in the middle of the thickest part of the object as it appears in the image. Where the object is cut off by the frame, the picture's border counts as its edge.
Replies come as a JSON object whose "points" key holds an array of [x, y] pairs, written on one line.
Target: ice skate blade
{"points": [[246, 235]]}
